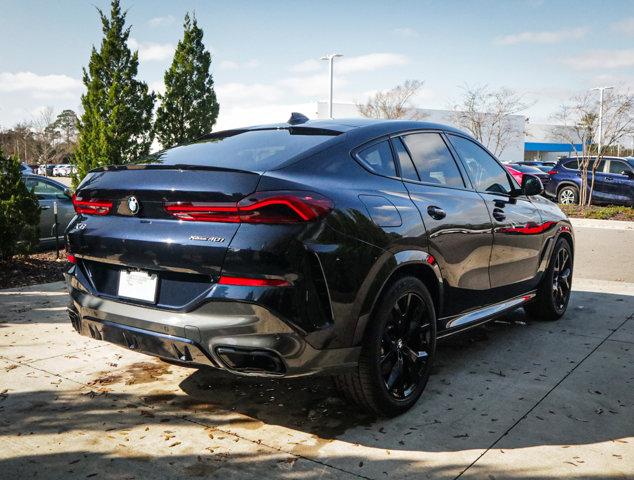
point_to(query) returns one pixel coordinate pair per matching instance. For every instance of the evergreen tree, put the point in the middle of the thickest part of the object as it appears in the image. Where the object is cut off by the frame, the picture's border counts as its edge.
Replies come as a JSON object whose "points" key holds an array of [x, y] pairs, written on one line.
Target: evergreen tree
{"points": [[19, 211], [189, 107], [116, 126]]}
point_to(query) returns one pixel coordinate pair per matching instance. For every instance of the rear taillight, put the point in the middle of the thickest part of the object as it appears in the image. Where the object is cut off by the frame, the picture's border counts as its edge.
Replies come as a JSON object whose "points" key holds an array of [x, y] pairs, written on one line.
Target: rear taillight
{"points": [[260, 207], [71, 258], [252, 282], [91, 207], [552, 172]]}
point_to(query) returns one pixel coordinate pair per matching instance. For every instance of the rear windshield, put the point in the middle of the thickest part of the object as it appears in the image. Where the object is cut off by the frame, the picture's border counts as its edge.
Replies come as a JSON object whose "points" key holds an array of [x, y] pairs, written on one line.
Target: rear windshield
{"points": [[257, 150]]}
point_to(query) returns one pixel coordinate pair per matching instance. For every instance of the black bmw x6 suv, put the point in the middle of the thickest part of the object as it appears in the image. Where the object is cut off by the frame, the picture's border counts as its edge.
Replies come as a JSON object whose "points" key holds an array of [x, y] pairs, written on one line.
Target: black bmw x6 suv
{"points": [[341, 247]]}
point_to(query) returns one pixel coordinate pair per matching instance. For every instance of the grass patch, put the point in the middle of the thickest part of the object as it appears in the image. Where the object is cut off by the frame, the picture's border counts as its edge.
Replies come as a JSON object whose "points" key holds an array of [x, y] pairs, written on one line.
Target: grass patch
{"points": [[610, 212]]}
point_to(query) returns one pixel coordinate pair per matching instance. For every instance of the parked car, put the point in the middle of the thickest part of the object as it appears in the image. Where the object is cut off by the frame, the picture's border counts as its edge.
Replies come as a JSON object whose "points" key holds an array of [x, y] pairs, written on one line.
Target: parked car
{"points": [[519, 169], [332, 247], [613, 181], [62, 170], [25, 169], [48, 193], [538, 163]]}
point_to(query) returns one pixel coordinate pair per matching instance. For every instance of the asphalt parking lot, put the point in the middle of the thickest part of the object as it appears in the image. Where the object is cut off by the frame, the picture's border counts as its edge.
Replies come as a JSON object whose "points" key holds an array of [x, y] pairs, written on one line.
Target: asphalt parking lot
{"points": [[518, 399]]}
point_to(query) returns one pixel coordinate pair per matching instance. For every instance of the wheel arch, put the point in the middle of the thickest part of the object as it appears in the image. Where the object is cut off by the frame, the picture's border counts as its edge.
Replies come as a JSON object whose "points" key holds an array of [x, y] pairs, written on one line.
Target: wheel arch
{"points": [[566, 183], [416, 263]]}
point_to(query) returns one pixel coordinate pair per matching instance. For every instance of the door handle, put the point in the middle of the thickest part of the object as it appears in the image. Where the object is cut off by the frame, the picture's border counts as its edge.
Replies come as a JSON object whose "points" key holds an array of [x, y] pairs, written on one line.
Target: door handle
{"points": [[436, 213], [498, 214]]}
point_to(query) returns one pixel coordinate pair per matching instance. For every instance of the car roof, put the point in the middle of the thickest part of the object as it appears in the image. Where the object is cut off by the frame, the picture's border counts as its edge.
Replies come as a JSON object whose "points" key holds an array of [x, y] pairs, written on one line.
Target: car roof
{"points": [[347, 124]]}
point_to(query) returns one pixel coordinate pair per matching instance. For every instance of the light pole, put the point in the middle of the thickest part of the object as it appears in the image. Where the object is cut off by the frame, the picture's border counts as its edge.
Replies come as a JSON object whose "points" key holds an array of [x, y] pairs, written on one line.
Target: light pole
{"points": [[599, 143], [330, 59]]}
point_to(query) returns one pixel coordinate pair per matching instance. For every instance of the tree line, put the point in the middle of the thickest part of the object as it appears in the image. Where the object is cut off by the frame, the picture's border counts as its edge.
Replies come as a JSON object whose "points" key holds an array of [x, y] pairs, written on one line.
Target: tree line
{"points": [[121, 117]]}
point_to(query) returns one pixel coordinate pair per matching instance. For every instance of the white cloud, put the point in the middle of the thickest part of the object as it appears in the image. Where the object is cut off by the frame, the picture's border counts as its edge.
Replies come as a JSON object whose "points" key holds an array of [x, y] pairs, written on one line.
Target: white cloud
{"points": [[38, 84], [241, 93], [346, 65], [602, 59], [150, 51], [625, 26], [406, 32], [231, 65], [370, 62], [157, 86], [165, 21], [310, 65], [543, 37]]}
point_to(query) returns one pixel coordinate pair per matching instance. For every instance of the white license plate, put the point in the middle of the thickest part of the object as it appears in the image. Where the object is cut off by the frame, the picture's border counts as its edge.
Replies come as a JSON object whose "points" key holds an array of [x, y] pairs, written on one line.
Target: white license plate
{"points": [[137, 285]]}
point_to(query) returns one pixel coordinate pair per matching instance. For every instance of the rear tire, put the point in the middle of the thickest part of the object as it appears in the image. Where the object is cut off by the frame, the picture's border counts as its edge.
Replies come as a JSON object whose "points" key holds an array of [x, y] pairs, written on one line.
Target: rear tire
{"points": [[397, 354], [568, 195], [553, 293]]}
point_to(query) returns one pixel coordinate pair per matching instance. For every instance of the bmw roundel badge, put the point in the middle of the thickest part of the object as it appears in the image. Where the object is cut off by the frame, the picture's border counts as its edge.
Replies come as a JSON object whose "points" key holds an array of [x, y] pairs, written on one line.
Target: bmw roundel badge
{"points": [[133, 205]]}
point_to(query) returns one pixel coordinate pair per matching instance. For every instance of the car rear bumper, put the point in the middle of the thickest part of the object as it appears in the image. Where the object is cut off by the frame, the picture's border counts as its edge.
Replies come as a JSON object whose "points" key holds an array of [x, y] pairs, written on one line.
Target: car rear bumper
{"points": [[239, 337]]}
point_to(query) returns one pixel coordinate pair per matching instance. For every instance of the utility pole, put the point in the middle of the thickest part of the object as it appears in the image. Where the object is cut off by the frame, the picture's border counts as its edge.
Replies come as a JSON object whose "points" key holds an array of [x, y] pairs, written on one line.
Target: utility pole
{"points": [[600, 141], [330, 59]]}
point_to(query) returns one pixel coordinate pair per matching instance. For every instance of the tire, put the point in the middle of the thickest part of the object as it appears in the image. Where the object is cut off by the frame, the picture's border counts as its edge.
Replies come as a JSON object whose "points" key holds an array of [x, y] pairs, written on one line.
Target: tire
{"points": [[568, 195], [553, 293], [400, 338]]}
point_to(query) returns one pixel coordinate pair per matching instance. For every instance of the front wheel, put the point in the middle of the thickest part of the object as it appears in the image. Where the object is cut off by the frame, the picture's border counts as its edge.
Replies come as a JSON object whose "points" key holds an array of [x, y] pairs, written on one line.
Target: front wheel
{"points": [[398, 351], [568, 195], [553, 294]]}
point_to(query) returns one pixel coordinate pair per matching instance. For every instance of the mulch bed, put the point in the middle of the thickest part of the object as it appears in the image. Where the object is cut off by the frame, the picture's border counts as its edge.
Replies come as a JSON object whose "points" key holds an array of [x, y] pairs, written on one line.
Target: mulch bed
{"points": [[41, 267], [600, 212]]}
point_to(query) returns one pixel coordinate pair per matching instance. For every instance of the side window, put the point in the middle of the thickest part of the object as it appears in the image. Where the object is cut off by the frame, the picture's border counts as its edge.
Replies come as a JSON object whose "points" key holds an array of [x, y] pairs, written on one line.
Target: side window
{"points": [[487, 174], [43, 189], [618, 167], [379, 158], [408, 171], [433, 160], [572, 165]]}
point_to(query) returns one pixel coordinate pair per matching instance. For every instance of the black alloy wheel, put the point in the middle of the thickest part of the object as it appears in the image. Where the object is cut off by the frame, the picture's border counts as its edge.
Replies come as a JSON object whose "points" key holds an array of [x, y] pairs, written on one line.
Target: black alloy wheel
{"points": [[562, 276], [405, 346], [553, 293], [397, 352]]}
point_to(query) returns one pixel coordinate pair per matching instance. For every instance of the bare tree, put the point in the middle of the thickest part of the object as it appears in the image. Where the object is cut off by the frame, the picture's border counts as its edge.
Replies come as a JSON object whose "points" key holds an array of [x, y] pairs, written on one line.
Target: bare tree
{"points": [[394, 103], [486, 114], [578, 125]]}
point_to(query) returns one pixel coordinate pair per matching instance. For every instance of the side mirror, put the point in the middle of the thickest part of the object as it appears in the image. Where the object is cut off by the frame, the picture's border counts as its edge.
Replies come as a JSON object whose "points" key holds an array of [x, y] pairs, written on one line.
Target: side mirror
{"points": [[628, 173], [531, 185]]}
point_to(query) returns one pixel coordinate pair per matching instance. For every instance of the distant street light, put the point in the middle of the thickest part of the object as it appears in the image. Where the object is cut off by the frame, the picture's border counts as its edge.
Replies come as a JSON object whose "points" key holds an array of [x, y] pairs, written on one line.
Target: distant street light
{"points": [[330, 59], [599, 143]]}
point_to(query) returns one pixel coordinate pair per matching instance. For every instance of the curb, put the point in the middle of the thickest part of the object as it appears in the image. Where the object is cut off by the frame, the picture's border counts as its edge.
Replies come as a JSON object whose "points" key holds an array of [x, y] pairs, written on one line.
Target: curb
{"points": [[604, 224]]}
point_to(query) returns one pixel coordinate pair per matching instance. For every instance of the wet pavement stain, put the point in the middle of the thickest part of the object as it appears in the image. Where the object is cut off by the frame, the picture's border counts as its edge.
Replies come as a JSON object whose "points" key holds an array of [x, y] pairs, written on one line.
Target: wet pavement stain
{"points": [[137, 373]]}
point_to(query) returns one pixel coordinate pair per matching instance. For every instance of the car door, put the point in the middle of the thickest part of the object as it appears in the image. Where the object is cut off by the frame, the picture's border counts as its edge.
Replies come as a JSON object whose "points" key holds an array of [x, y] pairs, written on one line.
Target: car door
{"points": [[456, 219], [620, 181], [49, 194], [518, 229]]}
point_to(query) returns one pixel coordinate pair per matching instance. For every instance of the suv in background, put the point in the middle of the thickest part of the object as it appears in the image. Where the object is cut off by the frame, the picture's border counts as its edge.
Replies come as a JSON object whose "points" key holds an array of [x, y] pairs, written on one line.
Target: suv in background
{"points": [[613, 182]]}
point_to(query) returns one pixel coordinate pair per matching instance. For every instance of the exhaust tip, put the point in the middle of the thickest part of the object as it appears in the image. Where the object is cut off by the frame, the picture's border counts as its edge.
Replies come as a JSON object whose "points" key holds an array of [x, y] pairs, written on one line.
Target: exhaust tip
{"points": [[243, 360]]}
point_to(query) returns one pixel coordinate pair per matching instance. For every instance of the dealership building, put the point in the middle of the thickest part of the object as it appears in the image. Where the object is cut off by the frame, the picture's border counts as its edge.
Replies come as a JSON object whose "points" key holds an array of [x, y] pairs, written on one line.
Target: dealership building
{"points": [[532, 142]]}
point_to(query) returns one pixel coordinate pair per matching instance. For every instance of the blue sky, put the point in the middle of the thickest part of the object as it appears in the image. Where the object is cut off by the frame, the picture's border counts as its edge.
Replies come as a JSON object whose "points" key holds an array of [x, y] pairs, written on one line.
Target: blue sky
{"points": [[265, 54]]}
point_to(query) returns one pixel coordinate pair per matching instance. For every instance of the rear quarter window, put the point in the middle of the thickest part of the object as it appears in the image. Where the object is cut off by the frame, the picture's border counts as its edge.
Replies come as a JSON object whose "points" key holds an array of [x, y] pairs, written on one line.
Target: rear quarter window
{"points": [[378, 158]]}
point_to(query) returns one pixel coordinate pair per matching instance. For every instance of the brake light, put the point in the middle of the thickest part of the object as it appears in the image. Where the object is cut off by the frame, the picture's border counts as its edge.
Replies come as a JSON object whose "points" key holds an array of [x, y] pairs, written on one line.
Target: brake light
{"points": [[552, 172], [252, 282], [71, 258], [91, 207], [260, 207]]}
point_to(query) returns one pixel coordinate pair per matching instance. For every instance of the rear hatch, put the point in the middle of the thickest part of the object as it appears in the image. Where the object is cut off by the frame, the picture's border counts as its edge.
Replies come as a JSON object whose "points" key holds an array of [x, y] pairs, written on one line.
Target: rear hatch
{"points": [[174, 216]]}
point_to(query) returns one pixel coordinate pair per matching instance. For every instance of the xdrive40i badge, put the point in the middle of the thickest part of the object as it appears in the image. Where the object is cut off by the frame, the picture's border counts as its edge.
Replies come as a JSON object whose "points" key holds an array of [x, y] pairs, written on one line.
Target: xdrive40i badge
{"points": [[199, 238]]}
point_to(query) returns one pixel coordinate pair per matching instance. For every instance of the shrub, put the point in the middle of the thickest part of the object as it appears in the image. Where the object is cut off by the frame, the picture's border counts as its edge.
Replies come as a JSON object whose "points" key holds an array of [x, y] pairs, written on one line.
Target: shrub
{"points": [[19, 211]]}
